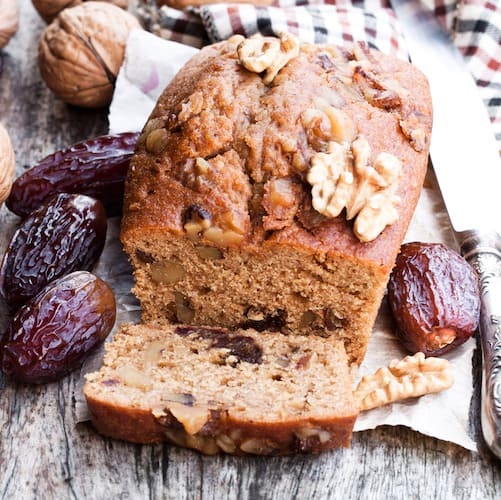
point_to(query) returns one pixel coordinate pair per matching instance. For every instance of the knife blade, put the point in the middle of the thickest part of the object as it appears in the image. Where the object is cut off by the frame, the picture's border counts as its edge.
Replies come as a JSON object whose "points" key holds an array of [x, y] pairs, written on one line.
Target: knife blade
{"points": [[466, 161]]}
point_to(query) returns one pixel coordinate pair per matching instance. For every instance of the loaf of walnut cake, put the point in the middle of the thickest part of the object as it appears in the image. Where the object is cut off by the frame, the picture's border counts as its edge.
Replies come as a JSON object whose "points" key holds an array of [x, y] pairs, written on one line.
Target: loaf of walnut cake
{"points": [[268, 197], [217, 390], [272, 187]]}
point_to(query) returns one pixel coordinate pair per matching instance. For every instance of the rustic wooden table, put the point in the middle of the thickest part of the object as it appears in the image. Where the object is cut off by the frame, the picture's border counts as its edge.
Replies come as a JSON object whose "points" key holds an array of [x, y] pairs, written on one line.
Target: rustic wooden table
{"points": [[45, 454]]}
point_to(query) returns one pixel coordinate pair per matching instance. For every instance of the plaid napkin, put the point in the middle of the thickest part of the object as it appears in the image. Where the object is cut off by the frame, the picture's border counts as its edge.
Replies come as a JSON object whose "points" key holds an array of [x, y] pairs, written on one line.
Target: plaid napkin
{"points": [[474, 25]]}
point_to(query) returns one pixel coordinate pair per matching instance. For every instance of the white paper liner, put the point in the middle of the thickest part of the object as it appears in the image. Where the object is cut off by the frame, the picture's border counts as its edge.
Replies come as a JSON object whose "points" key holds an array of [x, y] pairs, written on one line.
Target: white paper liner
{"points": [[150, 63]]}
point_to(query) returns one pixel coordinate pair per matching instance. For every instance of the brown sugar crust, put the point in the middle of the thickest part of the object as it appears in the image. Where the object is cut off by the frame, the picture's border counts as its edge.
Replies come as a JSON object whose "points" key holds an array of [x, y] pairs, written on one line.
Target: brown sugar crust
{"points": [[219, 391], [216, 144]]}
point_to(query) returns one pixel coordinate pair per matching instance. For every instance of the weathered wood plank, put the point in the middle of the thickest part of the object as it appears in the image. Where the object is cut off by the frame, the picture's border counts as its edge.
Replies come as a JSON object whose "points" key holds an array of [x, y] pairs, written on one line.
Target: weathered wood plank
{"points": [[44, 454]]}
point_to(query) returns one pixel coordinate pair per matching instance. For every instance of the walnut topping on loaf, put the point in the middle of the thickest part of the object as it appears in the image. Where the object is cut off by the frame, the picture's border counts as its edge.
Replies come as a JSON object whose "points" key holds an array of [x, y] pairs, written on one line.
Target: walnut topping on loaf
{"points": [[220, 215], [343, 178]]}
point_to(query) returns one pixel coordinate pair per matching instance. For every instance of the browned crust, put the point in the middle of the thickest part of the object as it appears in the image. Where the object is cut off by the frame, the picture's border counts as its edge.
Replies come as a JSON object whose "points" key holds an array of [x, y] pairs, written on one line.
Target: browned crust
{"points": [[138, 425], [163, 207], [125, 423]]}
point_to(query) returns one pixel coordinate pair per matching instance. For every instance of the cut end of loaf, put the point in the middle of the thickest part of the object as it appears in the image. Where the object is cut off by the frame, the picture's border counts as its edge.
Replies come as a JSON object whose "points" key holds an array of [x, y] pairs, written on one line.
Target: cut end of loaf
{"points": [[221, 391], [277, 288]]}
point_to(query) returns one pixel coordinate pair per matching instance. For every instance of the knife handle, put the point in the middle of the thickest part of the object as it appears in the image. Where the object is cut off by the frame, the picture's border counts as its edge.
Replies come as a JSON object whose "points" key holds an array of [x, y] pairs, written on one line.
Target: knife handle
{"points": [[483, 252]]}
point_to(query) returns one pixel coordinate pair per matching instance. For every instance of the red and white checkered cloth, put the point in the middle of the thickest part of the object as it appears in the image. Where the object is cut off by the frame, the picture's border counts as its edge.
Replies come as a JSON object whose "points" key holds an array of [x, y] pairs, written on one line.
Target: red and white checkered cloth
{"points": [[474, 25]]}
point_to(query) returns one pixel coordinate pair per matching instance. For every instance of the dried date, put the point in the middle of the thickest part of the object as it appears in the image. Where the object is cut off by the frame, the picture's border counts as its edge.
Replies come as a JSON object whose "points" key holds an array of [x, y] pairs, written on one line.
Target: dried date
{"points": [[242, 347], [96, 167], [65, 235], [434, 298], [274, 321], [52, 334]]}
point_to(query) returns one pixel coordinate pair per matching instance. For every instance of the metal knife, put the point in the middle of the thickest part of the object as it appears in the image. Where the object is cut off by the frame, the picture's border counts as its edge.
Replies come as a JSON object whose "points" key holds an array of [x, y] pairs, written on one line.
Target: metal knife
{"points": [[466, 161]]}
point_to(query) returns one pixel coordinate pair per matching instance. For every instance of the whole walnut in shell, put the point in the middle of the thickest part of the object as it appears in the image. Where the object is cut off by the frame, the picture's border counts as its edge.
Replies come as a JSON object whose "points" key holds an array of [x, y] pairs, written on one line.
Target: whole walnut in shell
{"points": [[81, 51], [9, 20], [49, 9], [7, 164]]}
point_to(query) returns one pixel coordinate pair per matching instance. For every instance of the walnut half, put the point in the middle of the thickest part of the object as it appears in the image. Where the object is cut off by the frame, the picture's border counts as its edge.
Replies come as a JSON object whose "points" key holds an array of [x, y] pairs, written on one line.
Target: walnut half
{"points": [[81, 51], [7, 164], [411, 377], [49, 9], [345, 177], [9, 20], [268, 54]]}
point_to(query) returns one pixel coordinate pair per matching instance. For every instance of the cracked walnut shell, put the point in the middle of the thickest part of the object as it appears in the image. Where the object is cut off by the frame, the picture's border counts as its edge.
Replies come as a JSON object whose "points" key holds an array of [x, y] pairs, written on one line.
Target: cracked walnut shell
{"points": [[49, 9], [81, 51], [7, 164], [9, 20]]}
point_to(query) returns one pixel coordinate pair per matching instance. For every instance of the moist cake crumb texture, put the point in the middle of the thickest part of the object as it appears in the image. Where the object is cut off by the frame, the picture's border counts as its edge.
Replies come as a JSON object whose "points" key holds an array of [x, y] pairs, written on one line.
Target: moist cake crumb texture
{"points": [[218, 390]]}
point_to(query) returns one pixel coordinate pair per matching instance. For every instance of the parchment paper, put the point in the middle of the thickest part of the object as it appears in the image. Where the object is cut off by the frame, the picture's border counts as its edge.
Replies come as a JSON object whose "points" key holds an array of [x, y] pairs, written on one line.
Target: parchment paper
{"points": [[150, 63]]}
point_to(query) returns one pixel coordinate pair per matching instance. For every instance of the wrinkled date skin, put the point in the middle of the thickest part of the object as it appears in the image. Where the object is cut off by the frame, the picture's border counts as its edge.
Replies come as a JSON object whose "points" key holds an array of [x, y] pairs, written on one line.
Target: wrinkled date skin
{"points": [[65, 235], [96, 167], [54, 332], [434, 298]]}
